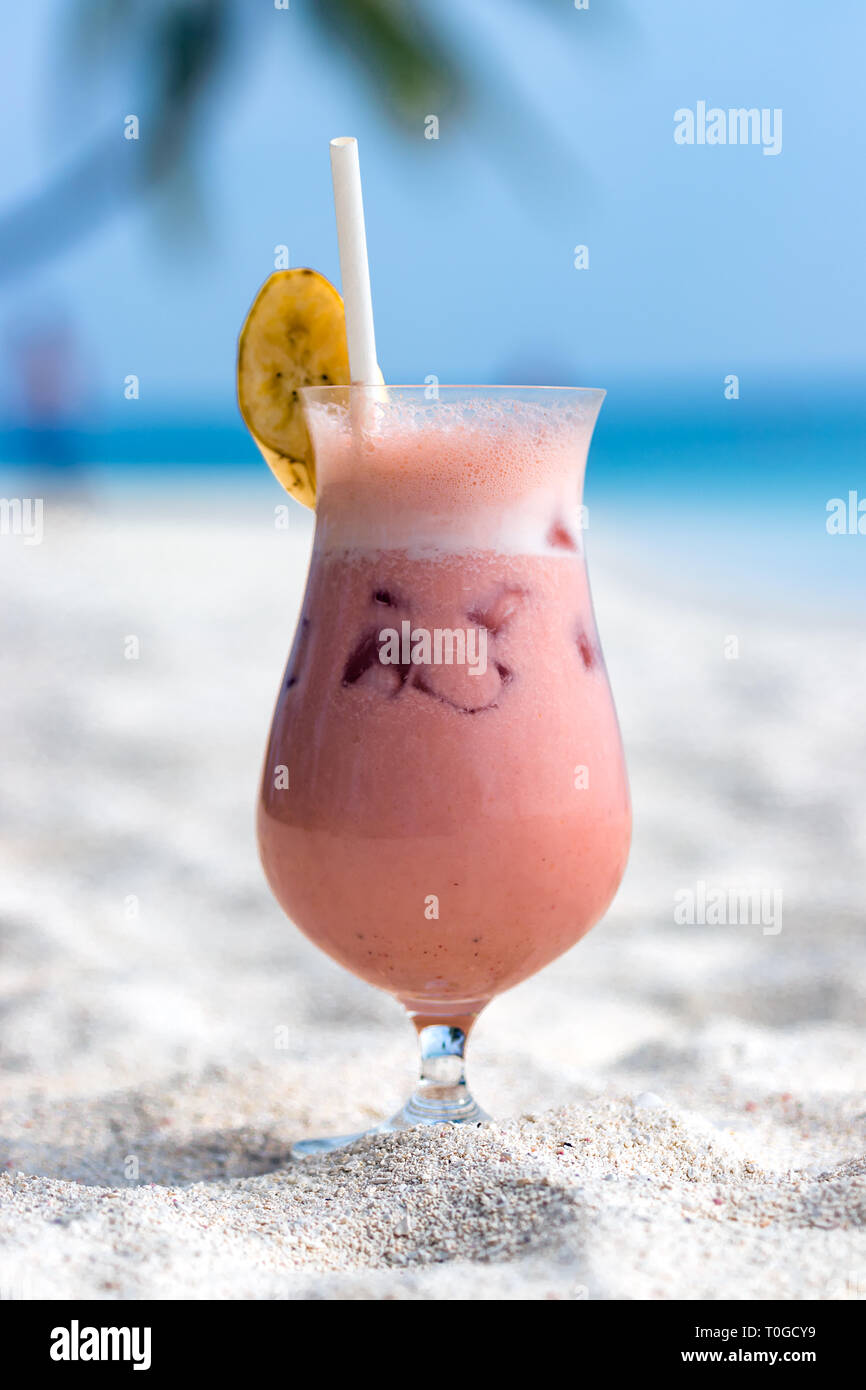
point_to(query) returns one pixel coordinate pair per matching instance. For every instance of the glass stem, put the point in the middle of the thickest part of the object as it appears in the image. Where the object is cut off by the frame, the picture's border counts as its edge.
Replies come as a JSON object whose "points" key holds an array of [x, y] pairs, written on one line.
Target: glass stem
{"points": [[441, 1095]]}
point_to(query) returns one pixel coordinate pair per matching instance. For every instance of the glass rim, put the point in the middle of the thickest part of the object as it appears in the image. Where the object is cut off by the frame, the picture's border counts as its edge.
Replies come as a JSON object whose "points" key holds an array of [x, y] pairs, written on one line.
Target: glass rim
{"points": [[432, 392]]}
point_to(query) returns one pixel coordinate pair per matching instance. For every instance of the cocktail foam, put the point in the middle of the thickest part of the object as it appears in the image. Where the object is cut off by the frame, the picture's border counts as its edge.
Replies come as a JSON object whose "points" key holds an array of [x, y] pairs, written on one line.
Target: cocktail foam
{"points": [[448, 479]]}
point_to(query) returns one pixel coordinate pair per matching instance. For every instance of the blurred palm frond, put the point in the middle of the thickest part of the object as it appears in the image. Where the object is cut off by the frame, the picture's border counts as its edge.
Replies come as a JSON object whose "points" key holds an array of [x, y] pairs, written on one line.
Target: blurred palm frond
{"points": [[182, 47], [395, 46]]}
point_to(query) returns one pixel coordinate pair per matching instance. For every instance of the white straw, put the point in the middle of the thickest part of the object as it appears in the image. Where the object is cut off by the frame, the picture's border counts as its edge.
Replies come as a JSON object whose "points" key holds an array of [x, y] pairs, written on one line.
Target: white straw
{"points": [[355, 271]]}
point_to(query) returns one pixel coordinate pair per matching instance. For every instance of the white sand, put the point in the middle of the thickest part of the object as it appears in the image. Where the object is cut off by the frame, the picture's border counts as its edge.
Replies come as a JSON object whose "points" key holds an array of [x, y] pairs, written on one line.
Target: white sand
{"points": [[200, 1037]]}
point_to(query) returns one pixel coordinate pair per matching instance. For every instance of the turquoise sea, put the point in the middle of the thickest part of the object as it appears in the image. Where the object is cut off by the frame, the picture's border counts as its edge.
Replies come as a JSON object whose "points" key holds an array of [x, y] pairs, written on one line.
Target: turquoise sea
{"points": [[722, 493]]}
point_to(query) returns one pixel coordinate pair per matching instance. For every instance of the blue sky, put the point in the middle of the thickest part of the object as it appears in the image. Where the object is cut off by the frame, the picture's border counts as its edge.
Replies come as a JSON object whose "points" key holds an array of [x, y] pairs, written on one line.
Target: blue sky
{"points": [[703, 260]]}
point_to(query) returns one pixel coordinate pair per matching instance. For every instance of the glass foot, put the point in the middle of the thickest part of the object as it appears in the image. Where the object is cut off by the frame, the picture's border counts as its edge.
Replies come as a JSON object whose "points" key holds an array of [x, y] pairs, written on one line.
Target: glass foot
{"points": [[441, 1096], [305, 1147]]}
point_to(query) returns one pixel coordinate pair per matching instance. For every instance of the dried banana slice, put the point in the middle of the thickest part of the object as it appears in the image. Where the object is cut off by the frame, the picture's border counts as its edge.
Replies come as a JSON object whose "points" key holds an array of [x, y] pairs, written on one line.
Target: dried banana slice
{"points": [[294, 335]]}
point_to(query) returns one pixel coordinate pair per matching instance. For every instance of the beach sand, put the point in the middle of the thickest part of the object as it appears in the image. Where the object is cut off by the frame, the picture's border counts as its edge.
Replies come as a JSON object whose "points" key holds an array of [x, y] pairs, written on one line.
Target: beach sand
{"points": [[681, 1108]]}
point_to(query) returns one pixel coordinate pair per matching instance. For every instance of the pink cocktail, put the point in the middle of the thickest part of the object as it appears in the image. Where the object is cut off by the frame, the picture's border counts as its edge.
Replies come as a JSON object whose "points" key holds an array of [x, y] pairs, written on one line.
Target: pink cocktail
{"points": [[444, 804]]}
